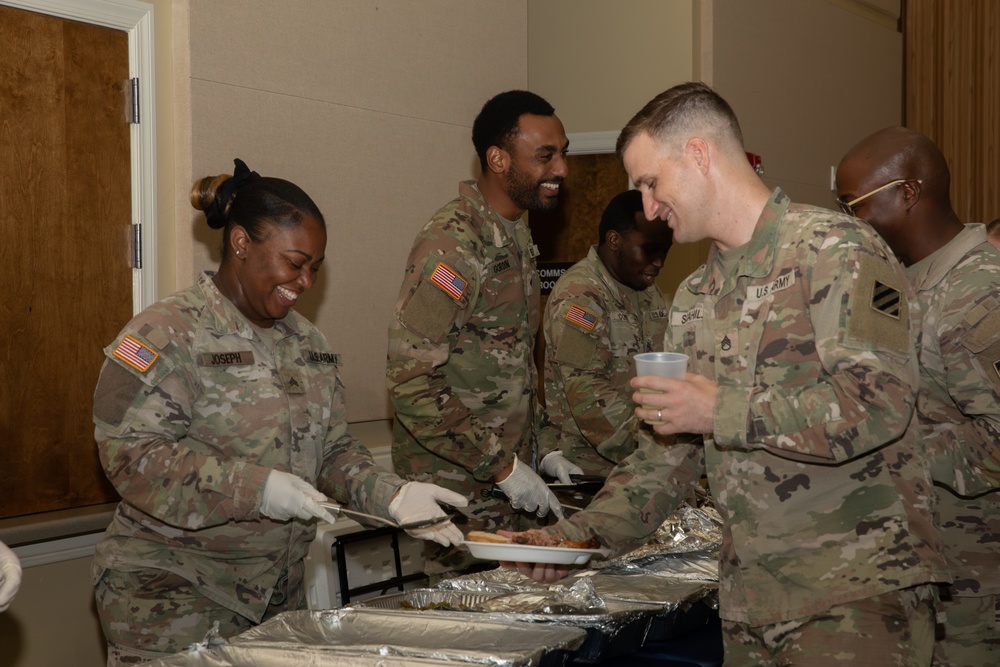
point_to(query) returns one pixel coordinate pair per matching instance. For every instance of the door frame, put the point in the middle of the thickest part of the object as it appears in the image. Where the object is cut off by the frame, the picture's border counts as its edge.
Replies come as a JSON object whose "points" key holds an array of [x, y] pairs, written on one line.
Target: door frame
{"points": [[136, 19]]}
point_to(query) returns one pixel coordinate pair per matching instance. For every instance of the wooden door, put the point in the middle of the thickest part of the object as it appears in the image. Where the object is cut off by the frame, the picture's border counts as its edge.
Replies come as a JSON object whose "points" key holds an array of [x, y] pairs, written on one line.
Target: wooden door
{"points": [[64, 263]]}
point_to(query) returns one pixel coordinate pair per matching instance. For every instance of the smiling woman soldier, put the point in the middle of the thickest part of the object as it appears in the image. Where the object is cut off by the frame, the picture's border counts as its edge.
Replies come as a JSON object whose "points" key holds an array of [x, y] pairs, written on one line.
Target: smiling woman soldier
{"points": [[220, 420]]}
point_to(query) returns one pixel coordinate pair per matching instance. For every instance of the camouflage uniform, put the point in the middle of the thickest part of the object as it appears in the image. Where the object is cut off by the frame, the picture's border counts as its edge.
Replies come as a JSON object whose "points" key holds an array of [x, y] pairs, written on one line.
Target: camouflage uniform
{"points": [[959, 410], [460, 369], [192, 411], [824, 492], [593, 326]]}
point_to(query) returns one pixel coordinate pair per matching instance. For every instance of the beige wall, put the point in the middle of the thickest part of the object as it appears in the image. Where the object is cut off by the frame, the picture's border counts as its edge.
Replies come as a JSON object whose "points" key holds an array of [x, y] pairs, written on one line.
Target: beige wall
{"points": [[808, 79], [598, 62], [369, 108]]}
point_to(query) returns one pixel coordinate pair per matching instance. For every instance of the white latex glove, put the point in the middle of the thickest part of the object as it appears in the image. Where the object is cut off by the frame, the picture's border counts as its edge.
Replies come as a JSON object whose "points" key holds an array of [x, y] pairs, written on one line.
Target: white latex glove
{"points": [[416, 501], [526, 491], [10, 576], [556, 465], [288, 496]]}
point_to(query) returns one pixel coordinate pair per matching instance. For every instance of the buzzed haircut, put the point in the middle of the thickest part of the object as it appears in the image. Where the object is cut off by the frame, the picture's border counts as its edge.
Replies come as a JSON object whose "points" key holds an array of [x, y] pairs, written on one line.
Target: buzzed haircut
{"points": [[687, 105], [993, 228], [497, 122], [619, 214]]}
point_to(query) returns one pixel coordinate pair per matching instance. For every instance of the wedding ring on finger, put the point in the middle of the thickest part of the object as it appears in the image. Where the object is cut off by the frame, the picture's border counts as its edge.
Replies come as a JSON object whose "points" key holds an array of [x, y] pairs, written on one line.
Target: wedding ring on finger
{"points": [[659, 415]]}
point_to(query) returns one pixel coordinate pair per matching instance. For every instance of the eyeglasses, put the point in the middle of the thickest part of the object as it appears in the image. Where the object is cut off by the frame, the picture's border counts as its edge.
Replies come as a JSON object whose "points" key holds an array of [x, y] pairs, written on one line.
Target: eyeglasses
{"points": [[848, 206]]}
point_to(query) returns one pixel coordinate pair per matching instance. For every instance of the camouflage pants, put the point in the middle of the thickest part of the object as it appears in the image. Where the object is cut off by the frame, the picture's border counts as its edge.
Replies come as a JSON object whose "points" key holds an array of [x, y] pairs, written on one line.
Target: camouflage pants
{"points": [[891, 630], [149, 614], [972, 632]]}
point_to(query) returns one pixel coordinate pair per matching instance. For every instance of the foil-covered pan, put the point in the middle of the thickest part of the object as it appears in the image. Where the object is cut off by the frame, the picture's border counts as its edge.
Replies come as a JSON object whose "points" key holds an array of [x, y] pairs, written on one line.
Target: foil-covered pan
{"points": [[260, 655], [414, 635], [613, 627]]}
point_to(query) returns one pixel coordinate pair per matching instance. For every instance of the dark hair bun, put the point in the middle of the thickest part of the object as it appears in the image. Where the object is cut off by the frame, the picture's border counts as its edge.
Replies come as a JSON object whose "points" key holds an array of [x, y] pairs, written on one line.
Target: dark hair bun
{"points": [[203, 196]]}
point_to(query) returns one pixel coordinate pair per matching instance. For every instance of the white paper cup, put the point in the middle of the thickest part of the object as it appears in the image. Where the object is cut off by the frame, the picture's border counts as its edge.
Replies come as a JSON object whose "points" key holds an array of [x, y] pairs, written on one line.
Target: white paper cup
{"points": [[671, 365]]}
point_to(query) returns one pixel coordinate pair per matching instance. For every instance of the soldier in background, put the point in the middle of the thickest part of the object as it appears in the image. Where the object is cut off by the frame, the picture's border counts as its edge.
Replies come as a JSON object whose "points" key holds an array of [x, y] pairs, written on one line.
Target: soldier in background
{"points": [[798, 405], [220, 421], [461, 374], [898, 181], [605, 309], [993, 232]]}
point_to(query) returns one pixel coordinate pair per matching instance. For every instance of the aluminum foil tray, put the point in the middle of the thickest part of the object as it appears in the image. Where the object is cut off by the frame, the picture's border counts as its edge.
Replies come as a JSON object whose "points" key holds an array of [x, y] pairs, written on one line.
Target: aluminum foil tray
{"points": [[618, 629], [417, 635], [262, 655]]}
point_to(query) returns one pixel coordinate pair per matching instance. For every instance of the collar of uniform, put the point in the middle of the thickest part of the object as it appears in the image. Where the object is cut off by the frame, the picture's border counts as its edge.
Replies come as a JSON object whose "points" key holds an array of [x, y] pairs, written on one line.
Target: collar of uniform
{"points": [[492, 227], [228, 319], [757, 260], [932, 269], [621, 291]]}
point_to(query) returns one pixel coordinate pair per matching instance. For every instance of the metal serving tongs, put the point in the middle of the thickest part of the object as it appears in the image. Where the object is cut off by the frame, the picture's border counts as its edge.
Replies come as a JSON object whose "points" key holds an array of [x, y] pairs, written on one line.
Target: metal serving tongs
{"points": [[423, 523]]}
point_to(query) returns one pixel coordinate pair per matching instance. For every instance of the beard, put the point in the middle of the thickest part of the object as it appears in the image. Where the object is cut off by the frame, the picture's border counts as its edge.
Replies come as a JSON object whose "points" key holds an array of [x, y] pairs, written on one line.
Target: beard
{"points": [[526, 194]]}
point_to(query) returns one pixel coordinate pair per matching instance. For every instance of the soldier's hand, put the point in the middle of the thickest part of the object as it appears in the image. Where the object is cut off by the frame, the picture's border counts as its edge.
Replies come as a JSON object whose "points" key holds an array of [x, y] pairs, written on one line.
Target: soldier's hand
{"points": [[417, 501], [544, 573], [288, 496], [676, 406], [556, 465], [527, 491]]}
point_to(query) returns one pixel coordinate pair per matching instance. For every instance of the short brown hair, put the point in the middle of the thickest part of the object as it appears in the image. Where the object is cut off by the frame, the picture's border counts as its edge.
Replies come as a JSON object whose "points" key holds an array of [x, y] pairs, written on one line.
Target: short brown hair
{"points": [[684, 104]]}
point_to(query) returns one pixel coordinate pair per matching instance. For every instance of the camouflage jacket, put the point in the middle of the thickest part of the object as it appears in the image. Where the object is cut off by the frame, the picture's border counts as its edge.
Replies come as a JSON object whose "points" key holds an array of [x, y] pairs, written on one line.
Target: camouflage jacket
{"points": [[959, 401], [192, 412], [593, 326], [824, 490], [460, 373]]}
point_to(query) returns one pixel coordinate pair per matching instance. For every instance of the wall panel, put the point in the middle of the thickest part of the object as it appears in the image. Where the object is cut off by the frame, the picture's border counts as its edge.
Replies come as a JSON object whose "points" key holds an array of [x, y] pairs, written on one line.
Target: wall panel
{"points": [[369, 107]]}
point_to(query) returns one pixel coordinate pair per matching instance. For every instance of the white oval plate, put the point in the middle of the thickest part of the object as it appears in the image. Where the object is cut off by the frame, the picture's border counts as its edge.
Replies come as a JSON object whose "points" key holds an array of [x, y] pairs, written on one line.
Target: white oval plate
{"points": [[524, 553]]}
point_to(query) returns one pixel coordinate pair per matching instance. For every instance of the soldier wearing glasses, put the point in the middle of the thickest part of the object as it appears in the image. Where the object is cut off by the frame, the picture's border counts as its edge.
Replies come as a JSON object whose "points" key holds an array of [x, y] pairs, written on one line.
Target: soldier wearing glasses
{"points": [[955, 272]]}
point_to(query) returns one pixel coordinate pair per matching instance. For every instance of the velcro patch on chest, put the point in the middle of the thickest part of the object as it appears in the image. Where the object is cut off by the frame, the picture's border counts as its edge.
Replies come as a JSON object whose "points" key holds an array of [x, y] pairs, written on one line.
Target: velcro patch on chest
{"points": [[500, 266], [782, 282], [681, 318], [241, 358], [447, 279], [314, 357], [582, 318], [136, 354]]}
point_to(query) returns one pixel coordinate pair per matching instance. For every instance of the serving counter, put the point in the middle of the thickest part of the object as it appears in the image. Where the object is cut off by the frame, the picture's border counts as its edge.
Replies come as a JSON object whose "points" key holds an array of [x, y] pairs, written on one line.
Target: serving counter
{"points": [[655, 604]]}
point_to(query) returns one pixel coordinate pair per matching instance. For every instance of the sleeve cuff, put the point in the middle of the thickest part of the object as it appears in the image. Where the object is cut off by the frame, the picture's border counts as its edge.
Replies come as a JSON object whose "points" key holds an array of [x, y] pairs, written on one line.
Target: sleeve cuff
{"points": [[732, 416]]}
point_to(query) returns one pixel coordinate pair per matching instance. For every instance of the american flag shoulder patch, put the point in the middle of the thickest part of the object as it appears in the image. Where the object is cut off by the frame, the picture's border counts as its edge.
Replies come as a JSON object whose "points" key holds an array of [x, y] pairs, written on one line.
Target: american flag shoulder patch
{"points": [[134, 353], [452, 283], [581, 317]]}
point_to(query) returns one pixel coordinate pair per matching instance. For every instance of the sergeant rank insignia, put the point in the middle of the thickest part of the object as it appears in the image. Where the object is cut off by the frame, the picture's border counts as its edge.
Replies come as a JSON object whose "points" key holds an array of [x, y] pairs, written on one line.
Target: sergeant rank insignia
{"points": [[452, 283], [885, 300], [135, 354], [581, 317]]}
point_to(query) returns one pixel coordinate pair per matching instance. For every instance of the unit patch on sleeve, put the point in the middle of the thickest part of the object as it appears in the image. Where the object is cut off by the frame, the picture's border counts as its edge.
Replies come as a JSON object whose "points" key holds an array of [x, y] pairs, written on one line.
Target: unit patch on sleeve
{"points": [[581, 317], [878, 313], [452, 283], [135, 354], [885, 300]]}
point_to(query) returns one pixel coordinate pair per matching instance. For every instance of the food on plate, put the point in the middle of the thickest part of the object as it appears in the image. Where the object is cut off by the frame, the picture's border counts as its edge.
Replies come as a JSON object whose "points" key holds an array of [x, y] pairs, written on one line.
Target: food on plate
{"points": [[533, 537], [483, 536]]}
